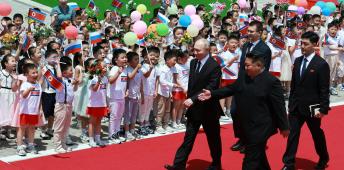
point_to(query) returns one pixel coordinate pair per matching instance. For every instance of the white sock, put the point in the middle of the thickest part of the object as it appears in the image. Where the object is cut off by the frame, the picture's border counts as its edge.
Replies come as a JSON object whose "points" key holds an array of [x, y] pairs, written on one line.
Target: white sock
{"points": [[97, 137], [91, 139]]}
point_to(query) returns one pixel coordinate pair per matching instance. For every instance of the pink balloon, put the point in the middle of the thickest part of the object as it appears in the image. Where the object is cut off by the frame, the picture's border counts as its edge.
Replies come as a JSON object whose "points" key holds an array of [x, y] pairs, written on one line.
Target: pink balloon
{"points": [[198, 23], [71, 32], [242, 3], [135, 16], [140, 27], [195, 17], [190, 10], [5, 9]]}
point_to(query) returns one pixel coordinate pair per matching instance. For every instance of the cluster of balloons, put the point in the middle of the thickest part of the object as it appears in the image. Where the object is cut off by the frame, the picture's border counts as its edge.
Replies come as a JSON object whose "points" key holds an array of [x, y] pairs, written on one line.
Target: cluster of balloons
{"points": [[326, 8], [191, 21], [5, 9], [300, 10], [243, 4]]}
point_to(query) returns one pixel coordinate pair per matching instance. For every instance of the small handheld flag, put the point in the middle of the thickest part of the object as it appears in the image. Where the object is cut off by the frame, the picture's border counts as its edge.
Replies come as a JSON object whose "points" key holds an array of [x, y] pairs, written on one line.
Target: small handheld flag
{"points": [[228, 71], [73, 48], [73, 6], [243, 30], [326, 40], [291, 14], [141, 42], [301, 24], [243, 18], [162, 18], [291, 35], [117, 3], [95, 37], [27, 42], [37, 15], [91, 4], [277, 42], [53, 81]]}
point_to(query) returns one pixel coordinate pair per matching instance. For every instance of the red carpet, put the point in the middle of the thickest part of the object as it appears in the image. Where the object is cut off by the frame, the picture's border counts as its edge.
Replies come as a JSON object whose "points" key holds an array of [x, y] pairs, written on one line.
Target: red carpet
{"points": [[152, 154]]}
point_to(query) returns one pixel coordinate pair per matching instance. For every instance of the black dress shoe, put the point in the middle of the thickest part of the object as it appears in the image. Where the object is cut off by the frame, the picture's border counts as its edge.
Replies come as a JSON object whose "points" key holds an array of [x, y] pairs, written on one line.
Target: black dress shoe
{"points": [[170, 167], [288, 168], [321, 165], [242, 150], [237, 146]]}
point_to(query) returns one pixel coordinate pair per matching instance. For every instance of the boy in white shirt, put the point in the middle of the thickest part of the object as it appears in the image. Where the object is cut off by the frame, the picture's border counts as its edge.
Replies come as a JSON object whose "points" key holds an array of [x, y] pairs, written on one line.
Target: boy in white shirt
{"points": [[167, 79], [149, 72]]}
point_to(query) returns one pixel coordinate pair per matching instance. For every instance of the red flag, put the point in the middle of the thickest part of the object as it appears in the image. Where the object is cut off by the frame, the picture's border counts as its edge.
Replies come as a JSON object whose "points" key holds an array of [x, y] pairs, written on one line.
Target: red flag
{"points": [[117, 3], [291, 14], [291, 35], [301, 24], [243, 30], [53, 81], [37, 15], [277, 42]]}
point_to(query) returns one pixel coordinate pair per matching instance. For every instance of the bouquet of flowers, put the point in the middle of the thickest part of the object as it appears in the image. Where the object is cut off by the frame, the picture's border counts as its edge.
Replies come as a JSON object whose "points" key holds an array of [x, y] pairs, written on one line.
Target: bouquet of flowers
{"points": [[96, 69], [44, 32], [9, 40], [131, 5], [206, 17], [186, 39]]}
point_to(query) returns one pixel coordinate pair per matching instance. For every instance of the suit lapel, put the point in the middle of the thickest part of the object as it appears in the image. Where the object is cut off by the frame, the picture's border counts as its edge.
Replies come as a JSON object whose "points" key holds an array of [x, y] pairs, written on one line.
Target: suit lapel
{"points": [[202, 71]]}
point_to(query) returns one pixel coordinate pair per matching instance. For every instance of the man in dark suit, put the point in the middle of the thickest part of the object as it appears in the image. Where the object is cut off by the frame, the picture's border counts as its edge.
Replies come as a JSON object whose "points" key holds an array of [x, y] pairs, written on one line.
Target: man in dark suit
{"points": [[309, 86], [259, 48], [205, 73], [260, 102]]}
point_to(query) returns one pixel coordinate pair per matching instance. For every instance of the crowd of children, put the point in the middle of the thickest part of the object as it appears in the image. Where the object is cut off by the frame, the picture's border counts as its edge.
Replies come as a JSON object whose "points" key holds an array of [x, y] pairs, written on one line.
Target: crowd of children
{"points": [[139, 89]]}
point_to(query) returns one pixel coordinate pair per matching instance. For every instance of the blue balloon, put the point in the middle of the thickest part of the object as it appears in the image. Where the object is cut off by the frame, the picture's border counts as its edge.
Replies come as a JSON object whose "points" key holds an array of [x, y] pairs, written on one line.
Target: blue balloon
{"points": [[321, 4], [326, 11], [185, 21]]}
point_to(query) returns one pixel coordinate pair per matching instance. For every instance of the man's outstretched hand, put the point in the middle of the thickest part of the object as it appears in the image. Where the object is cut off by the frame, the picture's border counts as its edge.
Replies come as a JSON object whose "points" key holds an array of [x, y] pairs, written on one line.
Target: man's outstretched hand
{"points": [[205, 95]]}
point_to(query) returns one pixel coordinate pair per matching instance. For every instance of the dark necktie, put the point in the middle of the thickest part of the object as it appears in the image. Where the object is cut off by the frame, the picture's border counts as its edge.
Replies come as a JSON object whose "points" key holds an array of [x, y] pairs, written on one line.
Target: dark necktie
{"points": [[198, 65], [249, 47], [304, 66]]}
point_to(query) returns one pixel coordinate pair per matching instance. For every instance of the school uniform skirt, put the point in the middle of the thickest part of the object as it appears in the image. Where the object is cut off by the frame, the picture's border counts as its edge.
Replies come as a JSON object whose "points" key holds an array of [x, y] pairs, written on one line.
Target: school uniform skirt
{"points": [[97, 111], [28, 120], [226, 82]]}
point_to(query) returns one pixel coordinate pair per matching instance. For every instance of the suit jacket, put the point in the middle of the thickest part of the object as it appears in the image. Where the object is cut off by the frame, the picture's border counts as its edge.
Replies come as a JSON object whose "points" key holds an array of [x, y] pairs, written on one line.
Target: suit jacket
{"points": [[260, 105], [208, 78], [312, 88], [261, 49]]}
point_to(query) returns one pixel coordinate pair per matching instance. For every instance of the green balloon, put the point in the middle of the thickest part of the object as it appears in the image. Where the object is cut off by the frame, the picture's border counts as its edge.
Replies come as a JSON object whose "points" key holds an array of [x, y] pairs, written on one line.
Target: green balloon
{"points": [[331, 6], [130, 38], [162, 30]]}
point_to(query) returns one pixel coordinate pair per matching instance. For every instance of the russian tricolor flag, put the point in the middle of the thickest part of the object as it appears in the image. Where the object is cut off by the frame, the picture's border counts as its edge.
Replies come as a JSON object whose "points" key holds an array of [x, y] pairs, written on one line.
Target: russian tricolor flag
{"points": [[37, 15], [73, 48], [91, 4], [243, 18], [73, 6], [53, 81], [162, 18], [141, 42], [27, 42], [95, 37]]}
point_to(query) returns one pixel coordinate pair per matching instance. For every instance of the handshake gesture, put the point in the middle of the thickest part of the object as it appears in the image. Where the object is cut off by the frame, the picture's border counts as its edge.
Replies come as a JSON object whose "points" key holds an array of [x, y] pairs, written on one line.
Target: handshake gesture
{"points": [[205, 95]]}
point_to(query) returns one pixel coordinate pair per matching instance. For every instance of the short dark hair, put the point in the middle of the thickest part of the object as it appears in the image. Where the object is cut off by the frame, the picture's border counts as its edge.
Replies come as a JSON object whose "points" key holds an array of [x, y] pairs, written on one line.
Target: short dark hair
{"points": [[258, 24], [50, 52], [17, 15], [170, 54], [312, 36], [5, 60], [222, 32], [28, 66], [150, 49], [332, 24], [131, 56], [96, 49], [65, 63], [256, 58], [116, 53]]}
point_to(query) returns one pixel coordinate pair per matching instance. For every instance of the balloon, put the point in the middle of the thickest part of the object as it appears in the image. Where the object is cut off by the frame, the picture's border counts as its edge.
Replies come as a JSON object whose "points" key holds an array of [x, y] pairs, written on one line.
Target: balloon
{"points": [[190, 10], [185, 21], [141, 8], [192, 30], [173, 9], [300, 10], [321, 4], [140, 36], [292, 8], [198, 23], [162, 29], [331, 6], [301, 3], [130, 38], [140, 27], [326, 11], [135, 16], [71, 32], [242, 3], [152, 28], [315, 10], [195, 17], [5, 9]]}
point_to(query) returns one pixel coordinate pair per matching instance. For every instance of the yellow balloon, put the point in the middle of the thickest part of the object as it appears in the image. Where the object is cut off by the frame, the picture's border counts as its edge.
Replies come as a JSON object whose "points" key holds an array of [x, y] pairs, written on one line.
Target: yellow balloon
{"points": [[141, 8]]}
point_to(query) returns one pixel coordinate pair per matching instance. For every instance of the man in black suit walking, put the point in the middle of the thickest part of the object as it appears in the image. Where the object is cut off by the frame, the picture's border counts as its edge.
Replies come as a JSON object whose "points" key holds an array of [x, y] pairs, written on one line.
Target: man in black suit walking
{"points": [[205, 73], [260, 102], [309, 86], [259, 48]]}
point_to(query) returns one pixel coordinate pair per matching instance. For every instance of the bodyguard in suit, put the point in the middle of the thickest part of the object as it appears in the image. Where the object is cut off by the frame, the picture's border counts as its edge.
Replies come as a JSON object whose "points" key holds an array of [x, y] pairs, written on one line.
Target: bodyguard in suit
{"points": [[259, 48], [260, 102], [309, 86], [205, 73]]}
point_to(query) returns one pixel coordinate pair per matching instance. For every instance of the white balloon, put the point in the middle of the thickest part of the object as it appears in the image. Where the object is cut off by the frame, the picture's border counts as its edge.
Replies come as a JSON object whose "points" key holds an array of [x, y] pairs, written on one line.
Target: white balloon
{"points": [[192, 30]]}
